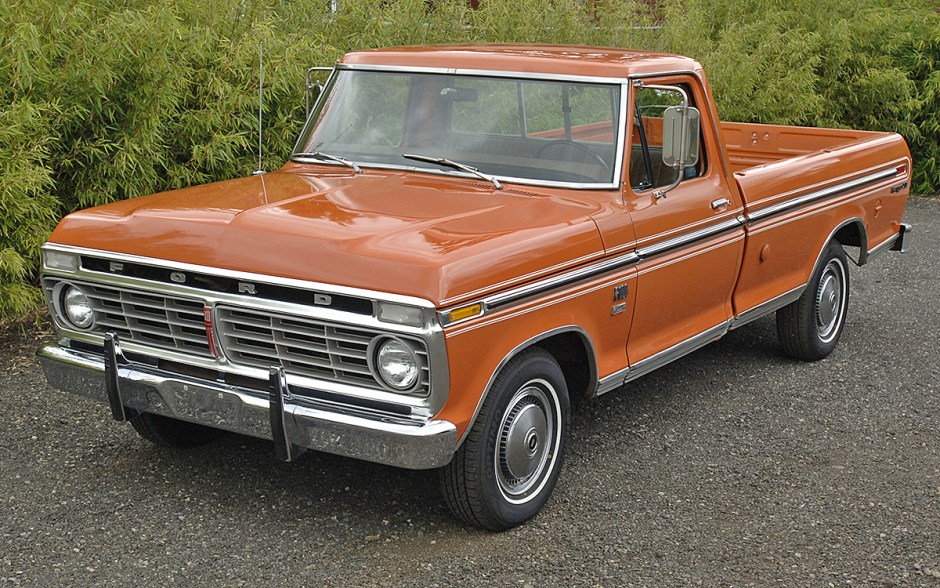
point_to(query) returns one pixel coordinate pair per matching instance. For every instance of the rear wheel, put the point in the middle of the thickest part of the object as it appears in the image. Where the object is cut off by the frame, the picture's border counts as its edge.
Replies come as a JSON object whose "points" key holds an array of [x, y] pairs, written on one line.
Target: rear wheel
{"points": [[168, 432], [508, 465], [810, 328]]}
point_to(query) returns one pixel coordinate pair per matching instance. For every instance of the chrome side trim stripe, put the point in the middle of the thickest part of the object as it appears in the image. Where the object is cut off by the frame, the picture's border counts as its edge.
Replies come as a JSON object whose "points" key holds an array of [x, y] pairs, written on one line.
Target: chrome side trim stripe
{"points": [[612, 382], [559, 281], [688, 238], [599, 268], [653, 362], [768, 307], [819, 194], [673, 353]]}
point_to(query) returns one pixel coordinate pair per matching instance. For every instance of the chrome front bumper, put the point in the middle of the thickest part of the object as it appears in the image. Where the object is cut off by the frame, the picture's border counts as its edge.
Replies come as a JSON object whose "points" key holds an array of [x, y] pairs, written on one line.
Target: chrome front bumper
{"points": [[293, 423]]}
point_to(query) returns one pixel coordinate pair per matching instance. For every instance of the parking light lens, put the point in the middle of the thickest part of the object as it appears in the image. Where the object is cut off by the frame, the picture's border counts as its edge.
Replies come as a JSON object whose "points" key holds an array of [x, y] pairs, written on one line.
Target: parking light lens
{"points": [[401, 314], [60, 261]]}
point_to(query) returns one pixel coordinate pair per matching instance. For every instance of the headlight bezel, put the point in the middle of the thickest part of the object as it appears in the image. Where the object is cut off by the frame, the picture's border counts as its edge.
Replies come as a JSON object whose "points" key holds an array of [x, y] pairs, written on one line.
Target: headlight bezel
{"points": [[63, 306]]}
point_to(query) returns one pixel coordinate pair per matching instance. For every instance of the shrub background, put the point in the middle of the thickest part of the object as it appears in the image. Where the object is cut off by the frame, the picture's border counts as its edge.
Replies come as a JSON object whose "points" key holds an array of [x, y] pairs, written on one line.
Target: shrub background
{"points": [[108, 99]]}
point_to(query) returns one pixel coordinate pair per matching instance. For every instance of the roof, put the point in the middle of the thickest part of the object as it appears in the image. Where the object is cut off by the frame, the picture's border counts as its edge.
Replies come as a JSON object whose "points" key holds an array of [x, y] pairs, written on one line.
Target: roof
{"points": [[544, 59]]}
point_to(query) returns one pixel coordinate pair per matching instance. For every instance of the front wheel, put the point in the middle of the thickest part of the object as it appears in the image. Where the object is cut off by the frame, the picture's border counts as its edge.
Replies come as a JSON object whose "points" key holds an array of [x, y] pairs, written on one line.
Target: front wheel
{"points": [[507, 467], [810, 328]]}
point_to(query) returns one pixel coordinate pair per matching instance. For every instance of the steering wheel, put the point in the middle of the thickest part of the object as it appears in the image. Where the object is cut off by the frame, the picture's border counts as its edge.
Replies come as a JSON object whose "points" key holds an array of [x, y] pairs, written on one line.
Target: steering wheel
{"points": [[569, 143]]}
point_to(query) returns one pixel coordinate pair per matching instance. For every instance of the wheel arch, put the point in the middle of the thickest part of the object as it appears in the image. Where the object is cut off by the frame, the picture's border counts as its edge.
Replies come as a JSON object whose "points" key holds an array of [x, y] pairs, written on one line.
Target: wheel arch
{"points": [[570, 346], [852, 233]]}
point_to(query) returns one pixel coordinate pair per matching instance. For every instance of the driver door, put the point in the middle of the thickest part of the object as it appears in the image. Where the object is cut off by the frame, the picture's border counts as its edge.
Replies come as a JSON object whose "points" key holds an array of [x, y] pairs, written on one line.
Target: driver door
{"points": [[689, 239]]}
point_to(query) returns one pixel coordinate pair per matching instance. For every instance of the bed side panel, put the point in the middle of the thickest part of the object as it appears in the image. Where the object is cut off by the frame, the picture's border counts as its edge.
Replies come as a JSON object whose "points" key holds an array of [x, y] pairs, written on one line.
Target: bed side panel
{"points": [[794, 206]]}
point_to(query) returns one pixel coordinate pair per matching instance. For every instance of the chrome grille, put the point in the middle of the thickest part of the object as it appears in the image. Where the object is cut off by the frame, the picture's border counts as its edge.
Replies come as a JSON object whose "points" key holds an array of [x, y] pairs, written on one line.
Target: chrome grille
{"points": [[303, 346], [167, 322]]}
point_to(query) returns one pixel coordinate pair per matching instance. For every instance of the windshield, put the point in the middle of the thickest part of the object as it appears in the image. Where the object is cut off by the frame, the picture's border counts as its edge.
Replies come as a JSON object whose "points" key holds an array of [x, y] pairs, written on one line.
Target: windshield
{"points": [[516, 129]]}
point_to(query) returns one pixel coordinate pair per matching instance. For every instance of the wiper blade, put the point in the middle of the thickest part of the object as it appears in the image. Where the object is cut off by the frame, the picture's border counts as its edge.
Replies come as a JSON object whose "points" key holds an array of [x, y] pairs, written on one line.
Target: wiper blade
{"points": [[327, 156], [443, 161]]}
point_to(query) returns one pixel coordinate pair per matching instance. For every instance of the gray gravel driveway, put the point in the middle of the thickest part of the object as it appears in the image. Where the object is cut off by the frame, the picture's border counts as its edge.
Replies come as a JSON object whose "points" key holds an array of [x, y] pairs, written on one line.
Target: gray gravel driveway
{"points": [[732, 467]]}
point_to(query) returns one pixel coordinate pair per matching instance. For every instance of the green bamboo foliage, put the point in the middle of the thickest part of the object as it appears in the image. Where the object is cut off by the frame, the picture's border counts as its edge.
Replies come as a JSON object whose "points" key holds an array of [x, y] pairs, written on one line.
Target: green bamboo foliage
{"points": [[103, 100]]}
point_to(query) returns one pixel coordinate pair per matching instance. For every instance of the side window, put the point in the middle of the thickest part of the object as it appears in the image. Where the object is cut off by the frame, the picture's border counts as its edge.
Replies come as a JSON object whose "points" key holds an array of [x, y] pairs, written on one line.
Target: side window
{"points": [[647, 169]]}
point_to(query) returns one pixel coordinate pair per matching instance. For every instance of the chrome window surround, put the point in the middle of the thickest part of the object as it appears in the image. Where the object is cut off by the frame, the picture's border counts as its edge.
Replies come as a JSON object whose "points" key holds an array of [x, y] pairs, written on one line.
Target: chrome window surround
{"points": [[712, 111], [430, 332], [621, 130]]}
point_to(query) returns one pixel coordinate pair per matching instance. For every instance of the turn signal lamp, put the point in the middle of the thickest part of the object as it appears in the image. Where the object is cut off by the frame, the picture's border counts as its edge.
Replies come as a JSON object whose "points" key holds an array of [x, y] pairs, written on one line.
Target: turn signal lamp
{"points": [[465, 312]]}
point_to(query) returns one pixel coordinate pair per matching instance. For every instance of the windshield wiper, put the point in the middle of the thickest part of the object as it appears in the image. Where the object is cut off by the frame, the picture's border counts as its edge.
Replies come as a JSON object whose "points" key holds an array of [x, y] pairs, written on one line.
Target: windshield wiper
{"points": [[327, 156], [443, 161]]}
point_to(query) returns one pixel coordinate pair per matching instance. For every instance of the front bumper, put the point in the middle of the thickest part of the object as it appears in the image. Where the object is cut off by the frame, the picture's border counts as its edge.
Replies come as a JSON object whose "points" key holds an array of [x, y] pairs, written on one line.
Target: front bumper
{"points": [[293, 423]]}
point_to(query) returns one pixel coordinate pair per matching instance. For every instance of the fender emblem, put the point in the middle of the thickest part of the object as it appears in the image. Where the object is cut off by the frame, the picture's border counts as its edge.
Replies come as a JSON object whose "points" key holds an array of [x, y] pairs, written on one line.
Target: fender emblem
{"points": [[621, 292]]}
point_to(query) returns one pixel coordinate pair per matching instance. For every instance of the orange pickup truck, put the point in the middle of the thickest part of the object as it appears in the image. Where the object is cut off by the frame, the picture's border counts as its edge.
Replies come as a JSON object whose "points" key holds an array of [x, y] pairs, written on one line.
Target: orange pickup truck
{"points": [[464, 239]]}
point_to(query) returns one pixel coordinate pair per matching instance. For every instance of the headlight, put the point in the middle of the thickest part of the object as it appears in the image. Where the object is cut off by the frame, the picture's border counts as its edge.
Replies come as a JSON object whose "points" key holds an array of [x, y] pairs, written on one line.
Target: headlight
{"points": [[396, 364], [77, 307]]}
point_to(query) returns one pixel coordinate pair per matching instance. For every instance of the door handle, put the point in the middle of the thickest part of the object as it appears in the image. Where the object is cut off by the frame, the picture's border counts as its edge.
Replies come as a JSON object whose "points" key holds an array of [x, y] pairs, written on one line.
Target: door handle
{"points": [[716, 204]]}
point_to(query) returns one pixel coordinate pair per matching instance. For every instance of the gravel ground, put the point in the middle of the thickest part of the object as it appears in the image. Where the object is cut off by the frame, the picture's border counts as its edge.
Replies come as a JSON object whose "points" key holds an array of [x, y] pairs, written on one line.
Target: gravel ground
{"points": [[732, 467]]}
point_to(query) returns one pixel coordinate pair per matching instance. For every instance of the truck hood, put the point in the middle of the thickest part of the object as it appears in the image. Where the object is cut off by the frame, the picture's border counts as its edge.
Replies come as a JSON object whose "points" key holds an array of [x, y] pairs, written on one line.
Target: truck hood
{"points": [[441, 239]]}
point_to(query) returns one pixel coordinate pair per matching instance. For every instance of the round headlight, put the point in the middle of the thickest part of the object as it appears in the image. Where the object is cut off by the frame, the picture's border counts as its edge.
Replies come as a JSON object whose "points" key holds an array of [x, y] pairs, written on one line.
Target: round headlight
{"points": [[396, 364], [77, 307]]}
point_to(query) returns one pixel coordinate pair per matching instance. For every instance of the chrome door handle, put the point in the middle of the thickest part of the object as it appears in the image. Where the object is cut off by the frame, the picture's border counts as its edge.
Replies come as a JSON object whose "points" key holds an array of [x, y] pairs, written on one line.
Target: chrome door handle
{"points": [[716, 204]]}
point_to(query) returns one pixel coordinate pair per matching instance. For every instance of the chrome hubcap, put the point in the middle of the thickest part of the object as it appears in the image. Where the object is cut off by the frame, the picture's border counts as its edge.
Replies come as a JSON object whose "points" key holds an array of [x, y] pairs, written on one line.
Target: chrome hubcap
{"points": [[829, 298], [526, 441]]}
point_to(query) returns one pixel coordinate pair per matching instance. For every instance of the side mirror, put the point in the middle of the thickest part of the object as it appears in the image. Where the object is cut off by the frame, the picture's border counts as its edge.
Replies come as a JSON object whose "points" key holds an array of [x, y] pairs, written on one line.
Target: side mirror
{"points": [[312, 89], [680, 136]]}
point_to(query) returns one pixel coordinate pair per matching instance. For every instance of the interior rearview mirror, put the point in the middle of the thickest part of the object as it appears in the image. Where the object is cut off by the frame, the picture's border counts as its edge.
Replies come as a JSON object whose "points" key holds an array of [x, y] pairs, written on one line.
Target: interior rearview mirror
{"points": [[460, 94], [680, 136]]}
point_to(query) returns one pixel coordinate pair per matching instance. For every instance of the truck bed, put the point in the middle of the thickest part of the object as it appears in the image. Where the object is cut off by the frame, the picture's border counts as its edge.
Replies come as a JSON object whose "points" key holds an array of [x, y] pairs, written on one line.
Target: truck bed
{"points": [[749, 145], [796, 184]]}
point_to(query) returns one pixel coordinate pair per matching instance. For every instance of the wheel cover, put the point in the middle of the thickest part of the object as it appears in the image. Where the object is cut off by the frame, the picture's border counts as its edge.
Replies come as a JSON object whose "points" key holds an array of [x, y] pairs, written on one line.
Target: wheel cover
{"points": [[527, 441], [830, 301]]}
